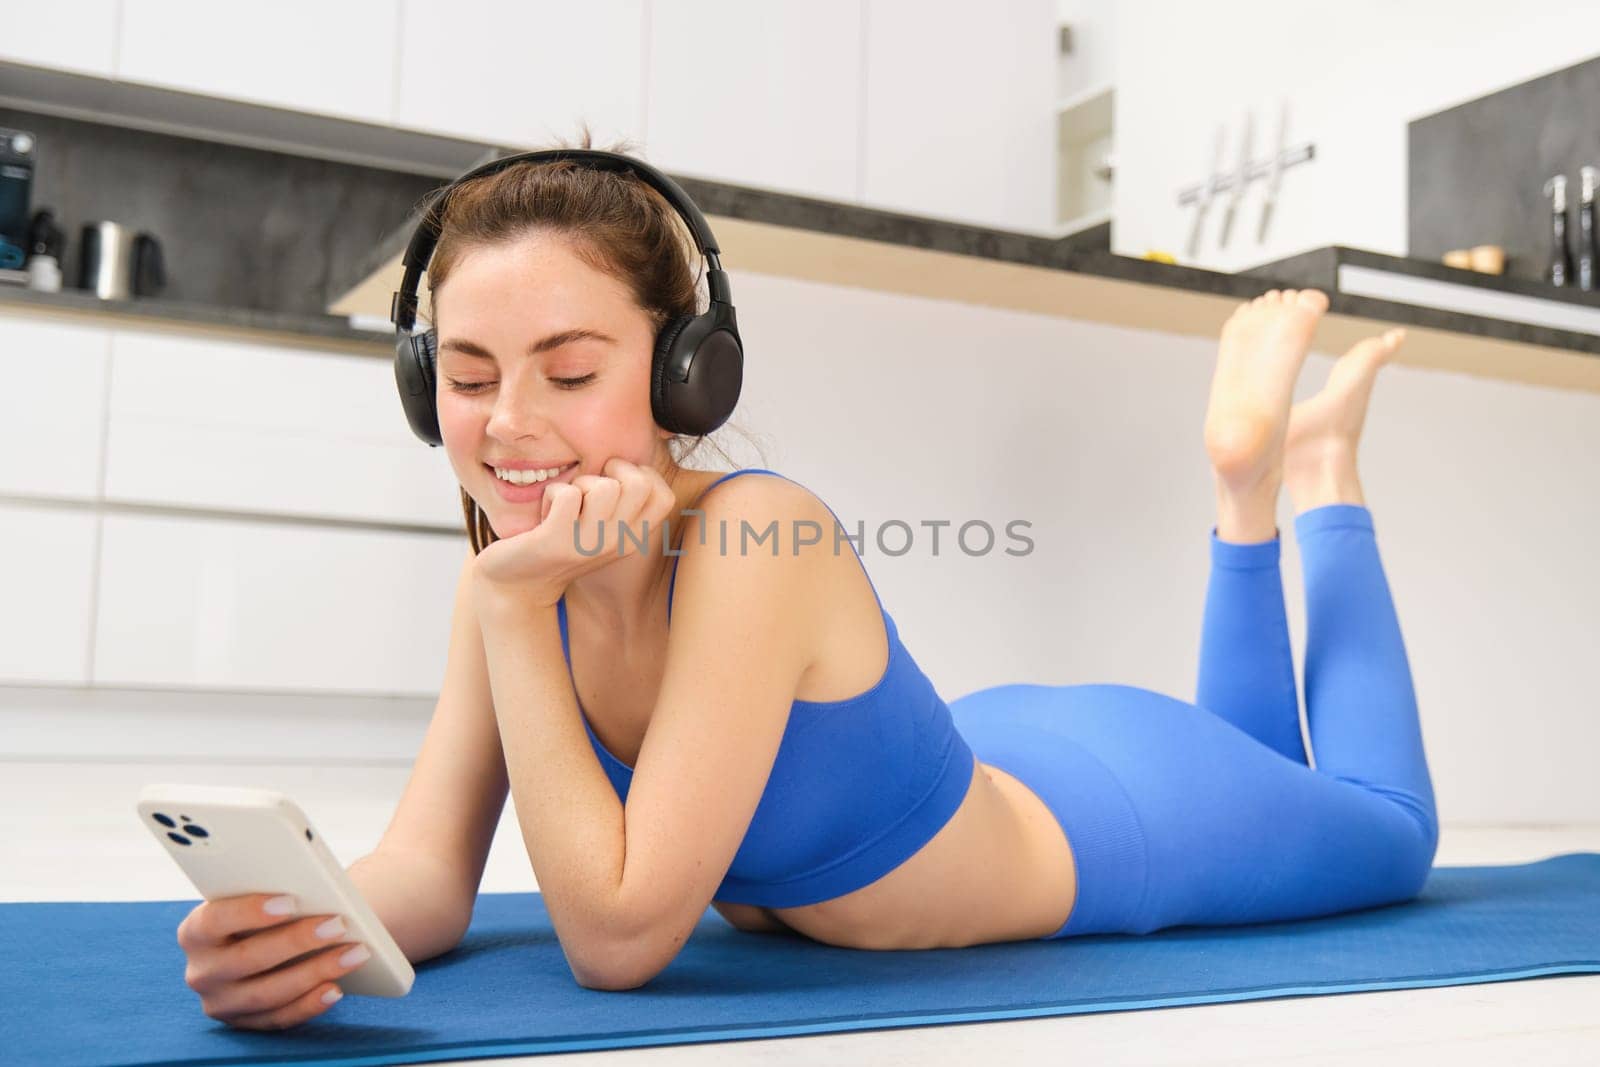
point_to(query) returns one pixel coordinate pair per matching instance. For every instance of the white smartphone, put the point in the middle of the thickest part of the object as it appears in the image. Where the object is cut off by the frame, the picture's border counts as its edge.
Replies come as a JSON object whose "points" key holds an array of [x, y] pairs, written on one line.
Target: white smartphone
{"points": [[232, 841]]}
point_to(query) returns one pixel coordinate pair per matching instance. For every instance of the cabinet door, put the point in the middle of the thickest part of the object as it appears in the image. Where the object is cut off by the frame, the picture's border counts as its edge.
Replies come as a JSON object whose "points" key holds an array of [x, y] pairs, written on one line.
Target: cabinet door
{"points": [[75, 35], [330, 59], [521, 75], [780, 108], [46, 581], [218, 603], [207, 423], [961, 110], [52, 409]]}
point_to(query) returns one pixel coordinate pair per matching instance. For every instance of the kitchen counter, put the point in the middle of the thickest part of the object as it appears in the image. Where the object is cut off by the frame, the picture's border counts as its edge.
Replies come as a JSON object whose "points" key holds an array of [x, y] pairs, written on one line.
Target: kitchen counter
{"points": [[323, 332], [1481, 325], [1492, 305], [1079, 277]]}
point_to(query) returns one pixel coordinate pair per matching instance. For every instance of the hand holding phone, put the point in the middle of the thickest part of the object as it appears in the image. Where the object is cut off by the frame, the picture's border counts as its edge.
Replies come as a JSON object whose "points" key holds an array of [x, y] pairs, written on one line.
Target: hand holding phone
{"points": [[241, 848], [233, 942]]}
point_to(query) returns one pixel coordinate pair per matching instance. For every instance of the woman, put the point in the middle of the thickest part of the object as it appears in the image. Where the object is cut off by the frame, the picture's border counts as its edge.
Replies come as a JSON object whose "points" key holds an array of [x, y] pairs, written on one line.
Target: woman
{"points": [[776, 752]]}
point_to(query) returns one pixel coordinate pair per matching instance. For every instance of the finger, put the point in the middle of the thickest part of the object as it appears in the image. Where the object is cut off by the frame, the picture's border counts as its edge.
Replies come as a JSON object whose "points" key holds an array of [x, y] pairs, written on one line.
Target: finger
{"points": [[561, 503], [279, 988], [261, 952], [634, 503], [213, 923], [307, 1006], [600, 500]]}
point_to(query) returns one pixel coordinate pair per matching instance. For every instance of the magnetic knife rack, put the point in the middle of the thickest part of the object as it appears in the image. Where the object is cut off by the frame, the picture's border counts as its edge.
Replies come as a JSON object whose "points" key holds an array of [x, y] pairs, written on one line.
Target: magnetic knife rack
{"points": [[1236, 179], [1221, 183]]}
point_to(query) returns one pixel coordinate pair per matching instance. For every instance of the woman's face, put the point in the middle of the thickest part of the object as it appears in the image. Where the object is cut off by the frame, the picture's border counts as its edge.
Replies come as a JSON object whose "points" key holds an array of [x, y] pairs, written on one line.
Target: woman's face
{"points": [[519, 387]]}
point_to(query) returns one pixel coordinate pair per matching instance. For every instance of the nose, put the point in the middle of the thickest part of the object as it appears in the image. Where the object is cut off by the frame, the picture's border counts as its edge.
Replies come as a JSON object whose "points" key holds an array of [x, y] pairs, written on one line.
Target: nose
{"points": [[515, 414]]}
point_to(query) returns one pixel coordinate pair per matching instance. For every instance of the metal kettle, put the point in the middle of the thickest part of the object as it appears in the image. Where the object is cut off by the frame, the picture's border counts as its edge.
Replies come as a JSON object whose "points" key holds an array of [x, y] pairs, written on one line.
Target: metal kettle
{"points": [[116, 263]]}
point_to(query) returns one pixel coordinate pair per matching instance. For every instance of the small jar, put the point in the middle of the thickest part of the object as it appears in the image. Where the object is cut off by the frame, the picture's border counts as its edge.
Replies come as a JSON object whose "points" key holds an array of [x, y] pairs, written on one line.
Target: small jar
{"points": [[44, 274]]}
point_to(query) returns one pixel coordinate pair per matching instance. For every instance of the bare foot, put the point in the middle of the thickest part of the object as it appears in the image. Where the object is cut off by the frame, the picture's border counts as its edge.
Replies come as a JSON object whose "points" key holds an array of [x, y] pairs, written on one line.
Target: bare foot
{"points": [[1319, 464], [1263, 347]]}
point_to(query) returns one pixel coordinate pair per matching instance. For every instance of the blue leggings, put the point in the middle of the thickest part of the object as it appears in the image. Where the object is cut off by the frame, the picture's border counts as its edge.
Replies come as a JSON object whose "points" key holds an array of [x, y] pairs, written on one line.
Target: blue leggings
{"points": [[1208, 813]]}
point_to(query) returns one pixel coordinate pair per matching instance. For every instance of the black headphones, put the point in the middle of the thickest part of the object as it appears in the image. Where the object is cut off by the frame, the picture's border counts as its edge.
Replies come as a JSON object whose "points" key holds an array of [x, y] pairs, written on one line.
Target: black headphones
{"points": [[698, 364]]}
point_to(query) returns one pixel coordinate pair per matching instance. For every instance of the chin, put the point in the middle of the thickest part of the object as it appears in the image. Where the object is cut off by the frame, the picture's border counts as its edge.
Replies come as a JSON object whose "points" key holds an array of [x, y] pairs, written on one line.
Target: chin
{"points": [[508, 522]]}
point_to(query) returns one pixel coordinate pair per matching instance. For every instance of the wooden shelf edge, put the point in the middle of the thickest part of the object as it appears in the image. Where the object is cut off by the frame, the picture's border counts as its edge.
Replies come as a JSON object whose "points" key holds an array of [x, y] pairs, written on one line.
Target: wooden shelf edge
{"points": [[852, 261]]}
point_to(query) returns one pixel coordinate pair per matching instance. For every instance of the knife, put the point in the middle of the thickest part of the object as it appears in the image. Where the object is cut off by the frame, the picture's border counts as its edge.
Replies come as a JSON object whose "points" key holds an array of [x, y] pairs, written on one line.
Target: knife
{"points": [[1241, 179], [1208, 193]]}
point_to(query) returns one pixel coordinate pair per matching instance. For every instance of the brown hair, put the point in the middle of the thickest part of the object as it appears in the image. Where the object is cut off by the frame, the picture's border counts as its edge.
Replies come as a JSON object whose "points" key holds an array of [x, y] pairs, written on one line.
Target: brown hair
{"points": [[613, 221]]}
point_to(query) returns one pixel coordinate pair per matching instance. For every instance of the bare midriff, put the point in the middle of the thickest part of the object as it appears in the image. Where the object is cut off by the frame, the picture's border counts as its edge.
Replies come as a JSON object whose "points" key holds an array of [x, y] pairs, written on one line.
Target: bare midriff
{"points": [[1000, 870]]}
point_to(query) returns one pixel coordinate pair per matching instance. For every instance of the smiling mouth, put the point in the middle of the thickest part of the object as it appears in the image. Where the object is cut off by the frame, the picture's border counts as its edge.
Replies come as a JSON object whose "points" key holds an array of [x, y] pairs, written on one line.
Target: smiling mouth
{"points": [[540, 481]]}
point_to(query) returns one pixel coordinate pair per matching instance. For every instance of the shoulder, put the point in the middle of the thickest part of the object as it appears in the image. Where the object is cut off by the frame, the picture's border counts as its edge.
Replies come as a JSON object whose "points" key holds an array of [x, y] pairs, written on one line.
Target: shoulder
{"points": [[760, 511], [755, 541]]}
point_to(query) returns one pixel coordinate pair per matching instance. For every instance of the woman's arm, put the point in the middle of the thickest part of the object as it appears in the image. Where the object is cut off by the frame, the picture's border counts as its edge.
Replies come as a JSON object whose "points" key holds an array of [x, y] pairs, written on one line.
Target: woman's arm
{"points": [[570, 816], [416, 897], [625, 888], [422, 878]]}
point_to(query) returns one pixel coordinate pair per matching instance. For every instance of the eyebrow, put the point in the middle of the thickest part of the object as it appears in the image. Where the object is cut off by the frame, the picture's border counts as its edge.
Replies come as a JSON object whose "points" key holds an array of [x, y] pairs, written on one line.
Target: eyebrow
{"points": [[555, 340]]}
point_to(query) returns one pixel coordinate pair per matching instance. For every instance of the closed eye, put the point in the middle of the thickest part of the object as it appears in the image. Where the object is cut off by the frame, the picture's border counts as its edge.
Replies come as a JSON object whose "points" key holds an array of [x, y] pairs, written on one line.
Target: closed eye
{"points": [[478, 387]]}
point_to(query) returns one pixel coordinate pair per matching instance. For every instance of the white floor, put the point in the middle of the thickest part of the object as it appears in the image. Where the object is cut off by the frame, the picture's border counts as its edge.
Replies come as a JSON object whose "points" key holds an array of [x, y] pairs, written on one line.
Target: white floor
{"points": [[64, 823]]}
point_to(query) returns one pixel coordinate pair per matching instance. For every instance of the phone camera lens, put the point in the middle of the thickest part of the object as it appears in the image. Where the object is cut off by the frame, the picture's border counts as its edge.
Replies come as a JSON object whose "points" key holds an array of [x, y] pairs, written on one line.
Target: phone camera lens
{"points": [[308, 833], [164, 820], [195, 831], [179, 838]]}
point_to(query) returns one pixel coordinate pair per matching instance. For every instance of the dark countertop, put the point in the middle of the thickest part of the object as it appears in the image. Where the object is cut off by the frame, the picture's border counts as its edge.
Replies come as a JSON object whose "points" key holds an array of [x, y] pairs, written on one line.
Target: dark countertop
{"points": [[1319, 269], [154, 309], [1089, 252]]}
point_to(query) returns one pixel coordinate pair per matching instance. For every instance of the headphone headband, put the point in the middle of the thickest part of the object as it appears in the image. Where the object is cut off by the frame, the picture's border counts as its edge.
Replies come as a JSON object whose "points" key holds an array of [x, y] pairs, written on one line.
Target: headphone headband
{"points": [[403, 306], [697, 365]]}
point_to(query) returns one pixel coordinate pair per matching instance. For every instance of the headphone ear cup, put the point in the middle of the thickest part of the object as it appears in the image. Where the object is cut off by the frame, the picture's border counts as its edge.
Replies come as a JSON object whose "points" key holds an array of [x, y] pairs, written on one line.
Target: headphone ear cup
{"points": [[698, 372], [414, 376], [660, 401]]}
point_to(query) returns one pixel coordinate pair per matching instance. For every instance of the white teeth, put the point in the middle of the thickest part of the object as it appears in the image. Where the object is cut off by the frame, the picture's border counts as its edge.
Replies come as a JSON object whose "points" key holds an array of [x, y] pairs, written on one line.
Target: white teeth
{"points": [[526, 477]]}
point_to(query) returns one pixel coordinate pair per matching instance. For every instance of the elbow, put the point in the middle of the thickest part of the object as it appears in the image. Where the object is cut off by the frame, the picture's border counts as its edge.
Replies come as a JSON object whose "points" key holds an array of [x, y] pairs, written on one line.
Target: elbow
{"points": [[609, 983], [630, 947], [615, 972], [623, 962]]}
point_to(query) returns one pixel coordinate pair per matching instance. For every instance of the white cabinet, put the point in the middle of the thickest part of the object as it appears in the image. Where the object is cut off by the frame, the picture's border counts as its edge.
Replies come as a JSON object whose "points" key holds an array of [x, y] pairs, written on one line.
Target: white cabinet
{"points": [[765, 95], [46, 585], [960, 111], [75, 35], [207, 423], [217, 603], [523, 75], [331, 59], [52, 408]]}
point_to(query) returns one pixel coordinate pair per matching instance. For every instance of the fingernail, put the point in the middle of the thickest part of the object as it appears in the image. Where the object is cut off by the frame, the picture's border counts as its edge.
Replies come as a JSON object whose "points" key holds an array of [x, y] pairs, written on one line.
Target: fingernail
{"points": [[359, 954], [279, 906], [331, 996], [332, 928]]}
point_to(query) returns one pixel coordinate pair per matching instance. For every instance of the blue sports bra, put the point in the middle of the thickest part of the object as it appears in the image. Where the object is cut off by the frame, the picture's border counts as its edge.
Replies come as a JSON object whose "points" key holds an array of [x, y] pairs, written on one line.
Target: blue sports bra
{"points": [[858, 785]]}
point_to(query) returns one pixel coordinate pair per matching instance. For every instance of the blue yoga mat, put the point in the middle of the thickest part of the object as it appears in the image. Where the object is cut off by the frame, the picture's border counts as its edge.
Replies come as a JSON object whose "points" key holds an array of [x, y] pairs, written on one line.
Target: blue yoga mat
{"points": [[93, 984]]}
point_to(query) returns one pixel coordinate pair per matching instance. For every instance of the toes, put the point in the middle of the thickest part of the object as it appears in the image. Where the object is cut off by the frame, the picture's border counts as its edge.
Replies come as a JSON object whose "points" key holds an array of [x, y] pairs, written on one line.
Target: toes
{"points": [[1381, 347], [1368, 348], [1358, 367], [1312, 300]]}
